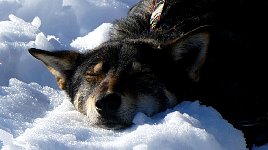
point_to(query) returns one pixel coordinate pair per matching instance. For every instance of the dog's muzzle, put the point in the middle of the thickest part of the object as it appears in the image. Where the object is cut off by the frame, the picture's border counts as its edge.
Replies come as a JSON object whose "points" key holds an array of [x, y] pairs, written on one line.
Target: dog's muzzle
{"points": [[108, 104]]}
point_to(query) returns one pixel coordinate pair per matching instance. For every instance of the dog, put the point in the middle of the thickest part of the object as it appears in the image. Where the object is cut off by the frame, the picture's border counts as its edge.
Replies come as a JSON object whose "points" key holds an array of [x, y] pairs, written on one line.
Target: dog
{"points": [[168, 51]]}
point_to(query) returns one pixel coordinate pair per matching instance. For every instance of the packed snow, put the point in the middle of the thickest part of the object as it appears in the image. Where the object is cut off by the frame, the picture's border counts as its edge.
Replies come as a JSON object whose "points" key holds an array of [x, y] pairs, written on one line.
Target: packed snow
{"points": [[36, 115]]}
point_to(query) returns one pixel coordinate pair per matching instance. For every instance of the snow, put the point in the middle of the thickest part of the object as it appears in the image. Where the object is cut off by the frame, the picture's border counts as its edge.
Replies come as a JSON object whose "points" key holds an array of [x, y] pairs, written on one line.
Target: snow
{"points": [[36, 115], [92, 39]]}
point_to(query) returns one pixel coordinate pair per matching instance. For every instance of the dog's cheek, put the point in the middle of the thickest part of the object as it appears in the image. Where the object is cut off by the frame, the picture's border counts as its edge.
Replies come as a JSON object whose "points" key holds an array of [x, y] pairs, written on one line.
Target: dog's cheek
{"points": [[78, 103], [84, 101], [148, 105], [90, 106], [127, 110], [91, 111], [172, 100]]}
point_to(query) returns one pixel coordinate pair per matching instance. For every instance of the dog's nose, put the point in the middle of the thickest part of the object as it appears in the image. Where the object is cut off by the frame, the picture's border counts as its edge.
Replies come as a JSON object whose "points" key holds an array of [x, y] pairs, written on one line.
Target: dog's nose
{"points": [[108, 102]]}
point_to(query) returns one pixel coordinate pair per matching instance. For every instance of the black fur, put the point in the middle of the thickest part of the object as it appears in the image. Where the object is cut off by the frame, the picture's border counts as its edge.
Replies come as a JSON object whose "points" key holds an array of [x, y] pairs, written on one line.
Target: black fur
{"points": [[233, 79]]}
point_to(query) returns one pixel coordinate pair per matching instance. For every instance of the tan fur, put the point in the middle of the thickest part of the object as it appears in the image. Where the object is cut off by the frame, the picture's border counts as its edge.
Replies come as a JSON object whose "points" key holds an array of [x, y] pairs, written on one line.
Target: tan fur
{"points": [[97, 69], [59, 77]]}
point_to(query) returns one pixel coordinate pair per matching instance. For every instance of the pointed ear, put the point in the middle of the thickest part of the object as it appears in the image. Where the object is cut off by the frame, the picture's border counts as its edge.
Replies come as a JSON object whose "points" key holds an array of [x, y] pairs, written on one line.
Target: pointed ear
{"points": [[58, 63], [190, 50]]}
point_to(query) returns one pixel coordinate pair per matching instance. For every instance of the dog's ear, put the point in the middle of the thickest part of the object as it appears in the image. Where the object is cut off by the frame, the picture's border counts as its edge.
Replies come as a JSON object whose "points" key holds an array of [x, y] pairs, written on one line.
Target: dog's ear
{"points": [[190, 50], [59, 63]]}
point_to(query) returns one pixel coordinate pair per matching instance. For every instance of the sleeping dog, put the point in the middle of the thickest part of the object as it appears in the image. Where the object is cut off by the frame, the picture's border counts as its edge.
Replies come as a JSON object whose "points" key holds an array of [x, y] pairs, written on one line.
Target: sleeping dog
{"points": [[167, 51]]}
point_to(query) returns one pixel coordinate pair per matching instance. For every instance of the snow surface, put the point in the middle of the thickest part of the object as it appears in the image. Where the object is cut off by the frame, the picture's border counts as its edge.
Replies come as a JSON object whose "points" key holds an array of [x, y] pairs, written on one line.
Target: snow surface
{"points": [[36, 115]]}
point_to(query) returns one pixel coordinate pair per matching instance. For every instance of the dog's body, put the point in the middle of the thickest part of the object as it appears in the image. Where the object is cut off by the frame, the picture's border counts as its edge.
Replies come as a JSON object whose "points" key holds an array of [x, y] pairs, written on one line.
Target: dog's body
{"points": [[206, 50]]}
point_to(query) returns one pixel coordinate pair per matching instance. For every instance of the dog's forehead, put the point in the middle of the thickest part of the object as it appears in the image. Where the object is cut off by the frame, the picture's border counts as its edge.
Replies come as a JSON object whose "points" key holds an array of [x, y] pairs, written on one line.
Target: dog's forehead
{"points": [[118, 53]]}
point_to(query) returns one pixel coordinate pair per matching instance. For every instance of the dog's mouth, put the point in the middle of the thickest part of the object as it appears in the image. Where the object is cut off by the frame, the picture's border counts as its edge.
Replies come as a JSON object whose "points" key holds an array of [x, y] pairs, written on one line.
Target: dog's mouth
{"points": [[112, 125]]}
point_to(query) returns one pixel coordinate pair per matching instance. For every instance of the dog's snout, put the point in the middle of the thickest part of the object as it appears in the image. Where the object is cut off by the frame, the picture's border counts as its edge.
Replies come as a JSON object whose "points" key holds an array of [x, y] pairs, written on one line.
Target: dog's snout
{"points": [[108, 102]]}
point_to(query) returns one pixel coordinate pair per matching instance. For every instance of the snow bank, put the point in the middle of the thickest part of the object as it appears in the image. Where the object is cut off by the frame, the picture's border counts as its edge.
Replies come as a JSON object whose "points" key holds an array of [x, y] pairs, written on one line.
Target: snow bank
{"points": [[16, 36], [66, 19], [36, 117], [92, 39]]}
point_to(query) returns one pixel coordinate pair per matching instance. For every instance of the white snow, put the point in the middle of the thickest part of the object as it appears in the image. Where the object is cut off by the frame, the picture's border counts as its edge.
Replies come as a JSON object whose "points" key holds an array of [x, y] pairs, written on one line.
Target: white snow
{"points": [[92, 39], [36, 115]]}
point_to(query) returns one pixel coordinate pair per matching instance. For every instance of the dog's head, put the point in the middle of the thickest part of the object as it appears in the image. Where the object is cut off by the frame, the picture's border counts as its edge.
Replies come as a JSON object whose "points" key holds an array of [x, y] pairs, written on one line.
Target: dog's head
{"points": [[113, 82]]}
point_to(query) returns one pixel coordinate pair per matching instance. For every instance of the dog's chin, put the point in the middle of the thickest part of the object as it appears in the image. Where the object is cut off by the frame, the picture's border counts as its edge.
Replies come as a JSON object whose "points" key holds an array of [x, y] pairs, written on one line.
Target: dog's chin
{"points": [[112, 125]]}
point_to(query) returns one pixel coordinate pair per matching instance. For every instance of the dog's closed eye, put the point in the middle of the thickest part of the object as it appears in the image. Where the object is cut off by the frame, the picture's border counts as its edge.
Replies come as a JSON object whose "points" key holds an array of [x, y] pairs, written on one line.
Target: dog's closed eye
{"points": [[94, 72]]}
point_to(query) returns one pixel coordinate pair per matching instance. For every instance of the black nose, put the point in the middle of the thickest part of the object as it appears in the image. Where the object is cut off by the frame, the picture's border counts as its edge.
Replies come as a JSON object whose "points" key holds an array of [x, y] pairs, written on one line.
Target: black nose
{"points": [[108, 102]]}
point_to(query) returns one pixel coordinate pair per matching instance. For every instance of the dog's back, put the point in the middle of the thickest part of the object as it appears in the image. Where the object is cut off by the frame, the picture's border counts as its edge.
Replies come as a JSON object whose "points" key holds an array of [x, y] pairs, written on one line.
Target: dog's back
{"points": [[234, 78], [182, 16]]}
